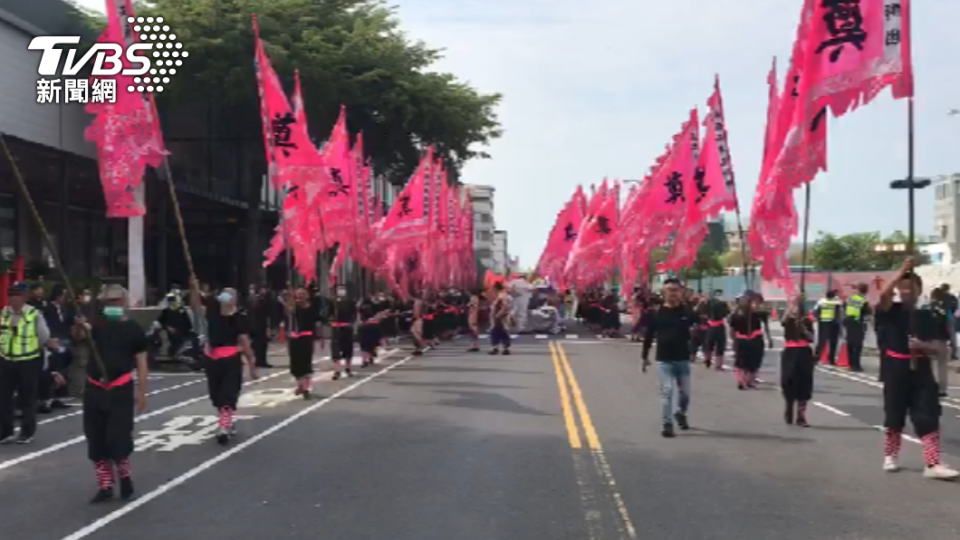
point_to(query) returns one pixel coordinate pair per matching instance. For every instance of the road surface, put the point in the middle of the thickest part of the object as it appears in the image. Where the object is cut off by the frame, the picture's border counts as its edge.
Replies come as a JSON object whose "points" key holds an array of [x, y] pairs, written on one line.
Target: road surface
{"points": [[558, 441]]}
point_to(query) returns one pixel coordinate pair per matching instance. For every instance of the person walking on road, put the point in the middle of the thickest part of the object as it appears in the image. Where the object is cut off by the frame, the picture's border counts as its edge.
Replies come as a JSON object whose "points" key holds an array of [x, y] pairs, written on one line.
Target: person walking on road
{"points": [[670, 327], [747, 332], [827, 313], [909, 385], [228, 345], [23, 336], [796, 363], [304, 332], [110, 398], [715, 338]]}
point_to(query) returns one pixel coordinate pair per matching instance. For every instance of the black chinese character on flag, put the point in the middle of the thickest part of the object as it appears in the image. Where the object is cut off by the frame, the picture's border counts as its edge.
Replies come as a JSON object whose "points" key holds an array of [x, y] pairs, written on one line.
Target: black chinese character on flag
{"points": [[844, 22], [603, 225], [674, 186], [338, 187], [405, 205], [280, 128], [702, 188], [570, 234]]}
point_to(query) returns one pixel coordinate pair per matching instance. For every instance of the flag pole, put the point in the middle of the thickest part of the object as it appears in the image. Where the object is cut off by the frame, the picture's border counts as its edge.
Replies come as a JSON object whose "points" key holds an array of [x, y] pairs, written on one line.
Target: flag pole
{"points": [[48, 243]]}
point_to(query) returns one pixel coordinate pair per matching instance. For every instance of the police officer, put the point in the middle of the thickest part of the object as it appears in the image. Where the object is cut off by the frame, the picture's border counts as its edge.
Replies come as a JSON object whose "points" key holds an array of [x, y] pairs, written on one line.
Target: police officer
{"points": [[827, 312], [23, 334], [855, 314]]}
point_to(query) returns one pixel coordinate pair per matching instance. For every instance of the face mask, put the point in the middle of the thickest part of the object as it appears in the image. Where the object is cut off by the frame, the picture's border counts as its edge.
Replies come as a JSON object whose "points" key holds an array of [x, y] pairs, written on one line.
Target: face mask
{"points": [[113, 312], [225, 298]]}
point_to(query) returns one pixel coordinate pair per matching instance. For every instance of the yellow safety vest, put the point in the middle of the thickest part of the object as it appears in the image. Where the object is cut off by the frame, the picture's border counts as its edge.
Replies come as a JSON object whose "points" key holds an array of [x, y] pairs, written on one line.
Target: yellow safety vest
{"points": [[855, 306], [828, 310], [19, 342]]}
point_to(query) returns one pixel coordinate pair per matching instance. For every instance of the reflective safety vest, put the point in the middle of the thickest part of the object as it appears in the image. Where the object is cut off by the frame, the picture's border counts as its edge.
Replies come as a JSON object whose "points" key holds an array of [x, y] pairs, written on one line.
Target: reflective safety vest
{"points": [[828, 310], [19, 342], [855, 306]]}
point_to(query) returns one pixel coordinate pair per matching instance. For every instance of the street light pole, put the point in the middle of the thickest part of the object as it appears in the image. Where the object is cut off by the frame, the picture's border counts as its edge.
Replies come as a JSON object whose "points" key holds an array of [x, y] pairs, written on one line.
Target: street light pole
{"points": [[910, 184]]}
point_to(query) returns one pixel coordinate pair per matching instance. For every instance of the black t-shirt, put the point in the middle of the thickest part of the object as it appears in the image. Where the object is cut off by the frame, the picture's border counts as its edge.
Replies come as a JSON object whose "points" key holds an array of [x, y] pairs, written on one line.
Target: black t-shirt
{"points": [[670, 327], [897, 327], [717, 310], [346, 312], [225, 330], [118, 343], [746, 324], [305, 318]]}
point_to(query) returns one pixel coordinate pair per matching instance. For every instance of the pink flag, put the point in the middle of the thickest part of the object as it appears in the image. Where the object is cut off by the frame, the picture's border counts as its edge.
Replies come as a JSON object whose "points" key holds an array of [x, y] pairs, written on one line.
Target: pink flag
{"points": [[857, 48], [127, 132]]}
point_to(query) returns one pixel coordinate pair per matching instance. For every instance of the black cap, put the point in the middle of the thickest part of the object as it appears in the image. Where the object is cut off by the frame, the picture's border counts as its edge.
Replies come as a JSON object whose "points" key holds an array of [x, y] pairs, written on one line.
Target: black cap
{"points": [[18, 289]]}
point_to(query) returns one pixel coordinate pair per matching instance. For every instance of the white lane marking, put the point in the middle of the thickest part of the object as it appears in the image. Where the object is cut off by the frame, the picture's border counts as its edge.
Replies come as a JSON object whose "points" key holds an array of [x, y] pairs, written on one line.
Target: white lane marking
{"points": [[573, 336], [153, 393], [232, 451], [876, 384], [541, 336], [77, 440], [826, 407], [905, 436]]}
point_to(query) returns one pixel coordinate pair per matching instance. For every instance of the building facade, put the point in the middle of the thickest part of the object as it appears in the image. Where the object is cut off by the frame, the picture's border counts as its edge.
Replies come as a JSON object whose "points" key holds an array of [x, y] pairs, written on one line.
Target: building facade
{"points": [[501, 257], [946, 212], [484, 225]]}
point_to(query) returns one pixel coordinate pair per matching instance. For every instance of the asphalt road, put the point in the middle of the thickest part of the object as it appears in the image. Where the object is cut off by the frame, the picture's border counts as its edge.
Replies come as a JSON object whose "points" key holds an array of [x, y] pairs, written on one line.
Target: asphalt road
{"points": [[558, 441]]}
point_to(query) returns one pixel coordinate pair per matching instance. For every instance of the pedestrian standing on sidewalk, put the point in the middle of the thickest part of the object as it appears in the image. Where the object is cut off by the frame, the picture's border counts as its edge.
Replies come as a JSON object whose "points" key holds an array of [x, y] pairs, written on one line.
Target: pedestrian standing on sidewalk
{"points": [[110, 398], [909, 386], [669, 326]]}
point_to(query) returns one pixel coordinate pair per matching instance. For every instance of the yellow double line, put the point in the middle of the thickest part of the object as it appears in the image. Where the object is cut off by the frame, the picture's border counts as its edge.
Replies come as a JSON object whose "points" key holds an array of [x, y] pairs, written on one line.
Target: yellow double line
{"points": [[567, 384]]}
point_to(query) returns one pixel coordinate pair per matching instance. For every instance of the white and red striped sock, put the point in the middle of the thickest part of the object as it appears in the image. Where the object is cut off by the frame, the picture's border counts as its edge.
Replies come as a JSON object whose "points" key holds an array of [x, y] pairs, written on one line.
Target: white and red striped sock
{"points": [[892, 439], [225, 418], [931, 448], [104, 475], [123, 468]]}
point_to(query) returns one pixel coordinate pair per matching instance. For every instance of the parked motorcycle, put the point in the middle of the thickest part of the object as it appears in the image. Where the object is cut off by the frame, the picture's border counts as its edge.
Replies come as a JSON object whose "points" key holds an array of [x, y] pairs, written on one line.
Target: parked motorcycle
{"points": [[189, 354]]}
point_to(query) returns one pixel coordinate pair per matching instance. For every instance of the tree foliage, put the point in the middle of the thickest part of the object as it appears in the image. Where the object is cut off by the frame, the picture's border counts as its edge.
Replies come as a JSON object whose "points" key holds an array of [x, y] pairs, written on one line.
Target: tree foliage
{"points": [[733, 258], [857, 252], [707, 264], [348, 52]]}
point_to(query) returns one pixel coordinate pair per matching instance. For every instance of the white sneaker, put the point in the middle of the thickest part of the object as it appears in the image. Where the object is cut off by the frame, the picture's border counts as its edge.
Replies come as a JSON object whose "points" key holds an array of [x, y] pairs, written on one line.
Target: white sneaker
{"points": [[940, 472], [890, 464]]}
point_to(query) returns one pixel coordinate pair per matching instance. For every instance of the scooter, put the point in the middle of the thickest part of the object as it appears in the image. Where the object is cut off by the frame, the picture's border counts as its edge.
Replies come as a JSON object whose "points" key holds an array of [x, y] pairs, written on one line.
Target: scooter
{"points": [[189, 354]]}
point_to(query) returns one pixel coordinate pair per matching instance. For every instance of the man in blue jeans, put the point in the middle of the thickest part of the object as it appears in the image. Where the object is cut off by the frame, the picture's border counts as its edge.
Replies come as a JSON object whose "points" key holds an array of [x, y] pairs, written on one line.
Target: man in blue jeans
{"points": [[669, 326]]}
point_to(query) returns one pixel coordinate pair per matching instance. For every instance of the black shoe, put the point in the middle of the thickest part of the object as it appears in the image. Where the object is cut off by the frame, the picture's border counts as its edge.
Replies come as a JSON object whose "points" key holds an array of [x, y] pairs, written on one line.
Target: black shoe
{"points": [[24, 439], [667, 432], [349, 373], [506, 352], [942, 394], [307, 396], [265, 366], [681, 419], [336, 375], [57, 404], [740, 386], [126, 488], [473, 349], [418, 352], [494, 352], [44, 409], [223, 437], [788, 414], [102, 495]]}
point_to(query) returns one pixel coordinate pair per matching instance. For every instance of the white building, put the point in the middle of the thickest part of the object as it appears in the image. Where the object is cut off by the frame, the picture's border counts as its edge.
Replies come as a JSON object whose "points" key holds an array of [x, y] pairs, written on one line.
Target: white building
{"points": [[946, 211], [483, 224], [501, 257]]}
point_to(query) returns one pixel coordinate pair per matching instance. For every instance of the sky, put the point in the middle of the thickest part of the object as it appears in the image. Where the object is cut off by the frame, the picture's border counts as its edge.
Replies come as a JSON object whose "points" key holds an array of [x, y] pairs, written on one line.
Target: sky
{"points": [[596, 89]]}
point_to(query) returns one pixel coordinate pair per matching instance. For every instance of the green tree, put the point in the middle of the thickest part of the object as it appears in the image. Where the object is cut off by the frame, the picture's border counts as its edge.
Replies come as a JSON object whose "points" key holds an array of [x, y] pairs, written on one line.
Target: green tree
{"points": [[348, 52], [733, 258], [707, 264], [858, 252]]}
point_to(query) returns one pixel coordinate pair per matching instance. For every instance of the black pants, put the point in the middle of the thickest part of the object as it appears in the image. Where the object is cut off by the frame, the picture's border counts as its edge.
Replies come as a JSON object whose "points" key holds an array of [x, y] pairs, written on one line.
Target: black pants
{"points": [[108, 418], [912, 392], [855, 334], [259, 345], [56, 362], [828, 334], [224, 381], [796, 373], [21, 379], [301, 356], [715, 341], [342, 344]]}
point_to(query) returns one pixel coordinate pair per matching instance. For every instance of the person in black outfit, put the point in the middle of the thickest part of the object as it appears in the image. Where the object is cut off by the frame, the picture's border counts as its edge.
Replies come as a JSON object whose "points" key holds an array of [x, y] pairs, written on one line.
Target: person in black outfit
{"points": [[109, 399], [260, 311], [715, 338], [369, 330], [669, 326], [341, 342], [910, 388], [796, 363], [59, 318], [228, 346], [305, 330]]}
